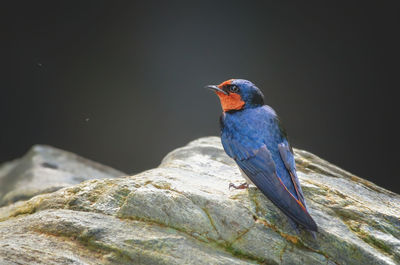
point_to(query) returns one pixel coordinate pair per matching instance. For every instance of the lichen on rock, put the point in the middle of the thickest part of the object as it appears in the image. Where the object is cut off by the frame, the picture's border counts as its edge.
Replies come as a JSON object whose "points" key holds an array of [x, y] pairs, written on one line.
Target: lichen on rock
{"points": [[183, 213]]}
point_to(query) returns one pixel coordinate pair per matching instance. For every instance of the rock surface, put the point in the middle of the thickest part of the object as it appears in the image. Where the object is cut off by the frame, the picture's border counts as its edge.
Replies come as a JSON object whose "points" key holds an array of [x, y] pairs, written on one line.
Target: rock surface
{"points": [[46, 169], [183, 213]]}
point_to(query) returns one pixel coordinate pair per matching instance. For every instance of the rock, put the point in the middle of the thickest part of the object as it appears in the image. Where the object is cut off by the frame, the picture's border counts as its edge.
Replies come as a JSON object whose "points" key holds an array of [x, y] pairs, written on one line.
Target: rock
{"points": [[183, 213], [46, 169]]}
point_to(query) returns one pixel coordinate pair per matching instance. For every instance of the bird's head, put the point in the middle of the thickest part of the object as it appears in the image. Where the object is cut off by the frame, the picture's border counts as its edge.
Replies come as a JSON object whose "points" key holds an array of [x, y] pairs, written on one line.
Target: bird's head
{"points": [[238, 94]]}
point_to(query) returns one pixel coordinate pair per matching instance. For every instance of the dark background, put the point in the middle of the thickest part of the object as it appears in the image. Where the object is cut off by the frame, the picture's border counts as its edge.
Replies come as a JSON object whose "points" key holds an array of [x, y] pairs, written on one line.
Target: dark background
{"points": [[122, 83]]}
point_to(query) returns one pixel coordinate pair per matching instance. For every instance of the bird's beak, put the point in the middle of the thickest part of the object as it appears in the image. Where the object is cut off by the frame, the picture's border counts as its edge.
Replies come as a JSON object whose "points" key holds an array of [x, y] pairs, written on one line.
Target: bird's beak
{"points": [[216, 88]]}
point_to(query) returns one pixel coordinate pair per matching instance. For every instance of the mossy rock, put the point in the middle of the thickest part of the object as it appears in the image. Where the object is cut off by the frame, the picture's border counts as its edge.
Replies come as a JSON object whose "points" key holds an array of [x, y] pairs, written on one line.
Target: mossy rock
{"points": [[183, 213]]}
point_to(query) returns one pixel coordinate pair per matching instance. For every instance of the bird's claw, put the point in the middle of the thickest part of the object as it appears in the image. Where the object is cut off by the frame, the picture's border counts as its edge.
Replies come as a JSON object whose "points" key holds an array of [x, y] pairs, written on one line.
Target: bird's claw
{"points": [[239, 187]]}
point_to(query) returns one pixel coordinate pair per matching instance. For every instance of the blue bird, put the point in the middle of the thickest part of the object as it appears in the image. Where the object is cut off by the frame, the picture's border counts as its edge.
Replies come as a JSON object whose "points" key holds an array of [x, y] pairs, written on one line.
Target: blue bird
{"points": [[252, 135]]}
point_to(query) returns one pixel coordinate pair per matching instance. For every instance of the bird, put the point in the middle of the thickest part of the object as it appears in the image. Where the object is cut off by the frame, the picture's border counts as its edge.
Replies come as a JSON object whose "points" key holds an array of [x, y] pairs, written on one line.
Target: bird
{"points": [[252, 135]]}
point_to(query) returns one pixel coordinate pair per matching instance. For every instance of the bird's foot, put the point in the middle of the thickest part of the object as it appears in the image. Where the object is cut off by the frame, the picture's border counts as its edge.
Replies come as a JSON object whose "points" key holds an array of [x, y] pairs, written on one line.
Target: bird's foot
{"points": [[239, 187]]}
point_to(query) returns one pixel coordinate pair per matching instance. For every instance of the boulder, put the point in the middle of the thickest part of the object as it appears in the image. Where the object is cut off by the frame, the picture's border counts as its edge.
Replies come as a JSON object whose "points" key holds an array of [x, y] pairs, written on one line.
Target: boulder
{"points": [[183, 213], [46, 169]]}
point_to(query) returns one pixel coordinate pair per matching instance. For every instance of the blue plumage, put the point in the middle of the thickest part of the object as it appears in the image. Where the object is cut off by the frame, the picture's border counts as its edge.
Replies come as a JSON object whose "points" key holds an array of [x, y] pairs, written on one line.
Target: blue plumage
{"points": [[253, 137]]}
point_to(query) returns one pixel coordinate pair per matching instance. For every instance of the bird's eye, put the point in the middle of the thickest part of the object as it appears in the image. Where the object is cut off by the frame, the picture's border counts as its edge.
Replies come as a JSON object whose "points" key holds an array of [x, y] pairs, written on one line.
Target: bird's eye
{"points": [[234, 89]]}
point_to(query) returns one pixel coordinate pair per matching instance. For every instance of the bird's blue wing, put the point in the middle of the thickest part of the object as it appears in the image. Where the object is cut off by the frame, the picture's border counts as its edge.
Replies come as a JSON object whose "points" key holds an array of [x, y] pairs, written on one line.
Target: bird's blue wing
{"points": [[288, 159], [259, 166]]}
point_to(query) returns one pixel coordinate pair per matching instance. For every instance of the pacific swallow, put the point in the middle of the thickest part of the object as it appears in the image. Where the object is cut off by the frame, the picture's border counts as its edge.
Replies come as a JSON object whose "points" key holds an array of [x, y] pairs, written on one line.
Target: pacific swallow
{"points": [[252, 134]]}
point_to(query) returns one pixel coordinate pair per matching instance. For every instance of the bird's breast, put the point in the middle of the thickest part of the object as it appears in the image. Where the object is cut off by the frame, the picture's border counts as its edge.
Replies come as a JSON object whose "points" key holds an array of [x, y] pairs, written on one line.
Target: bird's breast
{"points": [[249, 125]]}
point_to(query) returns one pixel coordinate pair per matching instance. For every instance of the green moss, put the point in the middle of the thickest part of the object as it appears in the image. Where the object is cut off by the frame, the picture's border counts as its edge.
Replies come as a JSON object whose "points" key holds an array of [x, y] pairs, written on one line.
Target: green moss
{"points": [[162, 185], [92, 245], [89, 242], [210, 219], [74, 189], [300, 244], [293, 240], [375, 242], [253, 198], [281, 253], [121, 195], [241, 255], [210, 242], [237, 196], [28, 207], [147, 182], [367, 238], [154, 222]]}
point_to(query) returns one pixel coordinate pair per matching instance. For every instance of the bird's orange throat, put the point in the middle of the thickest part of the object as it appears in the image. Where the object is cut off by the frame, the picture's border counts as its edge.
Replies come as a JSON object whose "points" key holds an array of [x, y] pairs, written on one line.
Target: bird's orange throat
{"points": [[230, 102]]}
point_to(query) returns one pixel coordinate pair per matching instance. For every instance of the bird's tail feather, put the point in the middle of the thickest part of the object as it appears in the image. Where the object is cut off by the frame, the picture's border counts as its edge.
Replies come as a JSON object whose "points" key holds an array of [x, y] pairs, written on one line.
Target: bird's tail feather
{"points": [[296, 227]]}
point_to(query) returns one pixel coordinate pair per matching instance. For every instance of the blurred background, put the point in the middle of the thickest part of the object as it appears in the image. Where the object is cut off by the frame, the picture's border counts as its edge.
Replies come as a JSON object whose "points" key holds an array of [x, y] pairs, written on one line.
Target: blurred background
{"points": [[121, 82]]}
